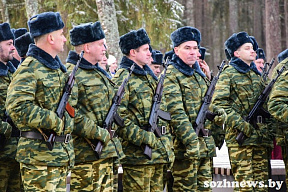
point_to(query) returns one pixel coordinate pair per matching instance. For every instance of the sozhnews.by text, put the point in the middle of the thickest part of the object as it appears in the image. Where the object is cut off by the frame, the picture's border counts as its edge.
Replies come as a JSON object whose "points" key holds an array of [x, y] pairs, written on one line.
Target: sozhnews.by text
{"points": [[255, 184]]}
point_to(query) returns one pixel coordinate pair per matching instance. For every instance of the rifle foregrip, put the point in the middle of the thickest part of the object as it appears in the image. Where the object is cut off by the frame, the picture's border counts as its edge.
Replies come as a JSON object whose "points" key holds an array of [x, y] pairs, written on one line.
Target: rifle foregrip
{"points": [[148, 151], [240, 138], [98, 149]]}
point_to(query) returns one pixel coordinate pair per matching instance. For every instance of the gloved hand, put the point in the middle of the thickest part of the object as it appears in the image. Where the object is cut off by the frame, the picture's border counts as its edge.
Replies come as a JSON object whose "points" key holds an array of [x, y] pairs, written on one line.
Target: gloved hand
{"points": [[103, 135], [220, 117], [193, 149], [150, 139]]}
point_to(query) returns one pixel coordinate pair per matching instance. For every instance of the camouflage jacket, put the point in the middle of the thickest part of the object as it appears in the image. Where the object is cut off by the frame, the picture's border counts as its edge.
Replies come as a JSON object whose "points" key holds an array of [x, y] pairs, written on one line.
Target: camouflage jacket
{"points": [[32, 100], [184, 89], [277, 106], [135, 110], [10, 146], [237, 91], [96, 91], [279, 66]]}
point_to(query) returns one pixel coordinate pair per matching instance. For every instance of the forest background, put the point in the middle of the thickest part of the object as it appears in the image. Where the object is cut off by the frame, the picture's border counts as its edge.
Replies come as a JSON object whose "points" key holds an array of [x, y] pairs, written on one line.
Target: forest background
{"points": [[266, 20]]}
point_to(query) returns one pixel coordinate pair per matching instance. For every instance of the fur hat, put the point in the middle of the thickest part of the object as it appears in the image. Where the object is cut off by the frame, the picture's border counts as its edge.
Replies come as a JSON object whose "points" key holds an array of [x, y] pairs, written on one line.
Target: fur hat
{"points": [[228, 55], [18, 32], [184, 34], [22, 43], [283, 55], [237, 40], [5, 32], [157, 57], [133, 40], [260, 54], [44, 23], [86, 33], [202, 51], [255, 44]]}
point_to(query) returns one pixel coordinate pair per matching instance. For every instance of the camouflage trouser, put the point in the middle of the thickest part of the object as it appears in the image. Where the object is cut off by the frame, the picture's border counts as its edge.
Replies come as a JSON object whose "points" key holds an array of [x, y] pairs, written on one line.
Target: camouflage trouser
{"points": [[185, 174], [93, 176], [42, 178], [143, 178], [204, 173], [249, 163], [10, 178]]}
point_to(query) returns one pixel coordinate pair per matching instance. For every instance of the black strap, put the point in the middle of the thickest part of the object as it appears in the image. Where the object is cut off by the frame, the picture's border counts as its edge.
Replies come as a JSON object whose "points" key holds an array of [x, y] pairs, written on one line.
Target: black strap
{"points": [[35, 135]]}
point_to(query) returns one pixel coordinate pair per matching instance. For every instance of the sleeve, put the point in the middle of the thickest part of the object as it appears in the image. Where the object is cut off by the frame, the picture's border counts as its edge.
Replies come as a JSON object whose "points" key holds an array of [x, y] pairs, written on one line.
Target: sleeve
{"points": [[182, 127], [23, 107]]}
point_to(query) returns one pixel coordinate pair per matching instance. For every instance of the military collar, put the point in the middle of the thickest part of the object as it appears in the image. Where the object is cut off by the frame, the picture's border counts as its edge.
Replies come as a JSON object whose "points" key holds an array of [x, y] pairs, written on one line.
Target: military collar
{"points": [[242, 67], [127, 63], [73, 57], [3, 69], [185, 69], [45, 58]]}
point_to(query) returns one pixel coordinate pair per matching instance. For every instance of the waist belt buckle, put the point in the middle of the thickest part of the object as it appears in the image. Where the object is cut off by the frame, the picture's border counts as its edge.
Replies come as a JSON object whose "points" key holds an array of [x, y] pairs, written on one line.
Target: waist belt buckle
{"points": [[206, 133], [163, 130], [67, 138]]}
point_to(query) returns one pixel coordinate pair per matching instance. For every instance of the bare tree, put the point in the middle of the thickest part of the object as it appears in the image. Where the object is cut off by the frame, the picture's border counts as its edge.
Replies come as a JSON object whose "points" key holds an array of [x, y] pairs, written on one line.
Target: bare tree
{"points": [[273, 34], [108, 19], [233, 16], [31, 7], [4, 12], [189, 12]]}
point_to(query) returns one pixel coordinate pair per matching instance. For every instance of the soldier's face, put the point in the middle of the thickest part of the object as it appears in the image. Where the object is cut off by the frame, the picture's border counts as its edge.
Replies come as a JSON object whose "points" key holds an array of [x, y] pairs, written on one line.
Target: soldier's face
{"points": [[59, 40], [6, 50], [187, 52], [97, 50], [143, 55], [156, 69], [259, 64], [245, 53]]}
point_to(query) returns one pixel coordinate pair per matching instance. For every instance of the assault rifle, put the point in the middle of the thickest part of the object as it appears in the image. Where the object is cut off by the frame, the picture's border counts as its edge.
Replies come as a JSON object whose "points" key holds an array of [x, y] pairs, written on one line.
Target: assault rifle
{"points": [[266, 71], [257, 113], [63, 104], [204, 113], [112, 115], [156, 112]]}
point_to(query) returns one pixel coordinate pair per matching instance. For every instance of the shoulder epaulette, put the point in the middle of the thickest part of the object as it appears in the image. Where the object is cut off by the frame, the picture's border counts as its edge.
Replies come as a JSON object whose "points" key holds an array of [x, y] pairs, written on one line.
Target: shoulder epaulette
{"points": [[119, 72], [170, 68], [28, 61]]}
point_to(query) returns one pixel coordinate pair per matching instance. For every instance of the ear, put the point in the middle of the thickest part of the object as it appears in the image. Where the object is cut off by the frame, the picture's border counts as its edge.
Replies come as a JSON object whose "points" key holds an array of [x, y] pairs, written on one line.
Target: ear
{"points": [[176, 50], [236, 53], [86, 48], [50, 38], [132, 52]]}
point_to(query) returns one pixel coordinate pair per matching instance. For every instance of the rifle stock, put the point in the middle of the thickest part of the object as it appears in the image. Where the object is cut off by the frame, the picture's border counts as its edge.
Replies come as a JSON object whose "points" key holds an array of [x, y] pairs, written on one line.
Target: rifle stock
{"points": [[112, 115]]}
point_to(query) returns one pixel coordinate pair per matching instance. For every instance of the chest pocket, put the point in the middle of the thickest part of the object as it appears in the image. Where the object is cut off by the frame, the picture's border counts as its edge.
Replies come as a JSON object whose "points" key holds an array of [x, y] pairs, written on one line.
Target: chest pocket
{"points": [[142, 101], [49, 93]]}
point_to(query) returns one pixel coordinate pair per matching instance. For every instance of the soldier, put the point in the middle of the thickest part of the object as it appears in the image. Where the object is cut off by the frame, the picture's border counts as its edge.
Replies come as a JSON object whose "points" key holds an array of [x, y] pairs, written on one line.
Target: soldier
{"points": [[16, 57], [202, 63], [139, 172], [10, 179], [282, 61], [157, 61], [22, 44], [237, 91], [89, 172], [32, 100], [260, 59], [185, 87]]}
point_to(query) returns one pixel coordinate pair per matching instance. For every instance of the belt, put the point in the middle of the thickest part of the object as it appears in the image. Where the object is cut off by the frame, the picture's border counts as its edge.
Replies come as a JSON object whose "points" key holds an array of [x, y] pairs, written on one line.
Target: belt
{"points": [[162, 130], [15, 132], [35, 135]]}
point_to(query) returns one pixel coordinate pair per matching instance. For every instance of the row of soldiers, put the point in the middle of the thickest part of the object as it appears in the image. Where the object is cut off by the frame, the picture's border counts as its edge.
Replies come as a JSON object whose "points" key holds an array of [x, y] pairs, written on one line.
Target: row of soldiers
{"points": [[31, 95]]}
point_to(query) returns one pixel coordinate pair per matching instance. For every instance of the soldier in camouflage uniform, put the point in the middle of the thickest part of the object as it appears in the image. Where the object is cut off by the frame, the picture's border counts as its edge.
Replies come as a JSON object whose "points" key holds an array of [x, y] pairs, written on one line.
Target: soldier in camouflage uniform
{"points": [[10, 179], [237, 91], [185, 86], [139, 172], [277, 105], [32, 99], [95, 91]]}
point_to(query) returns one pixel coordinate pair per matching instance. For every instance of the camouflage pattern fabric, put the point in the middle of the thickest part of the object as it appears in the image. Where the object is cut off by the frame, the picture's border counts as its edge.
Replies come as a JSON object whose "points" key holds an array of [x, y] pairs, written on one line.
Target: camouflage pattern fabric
{"points": [[249, 163], [143, 178], [204, 174], [94, 176], [10, 179], [185, 92], [279, 66], [277, 106], [91, 112], [135, 110], [41, 178], [185, 174]]}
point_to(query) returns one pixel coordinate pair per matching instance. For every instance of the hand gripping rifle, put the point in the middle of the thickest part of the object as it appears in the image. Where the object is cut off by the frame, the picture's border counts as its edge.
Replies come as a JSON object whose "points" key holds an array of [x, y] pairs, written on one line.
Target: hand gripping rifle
{"points": [[204, 113], [112, 115], [266, 71], [63, 104], [257, 113], [156, 112]]}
